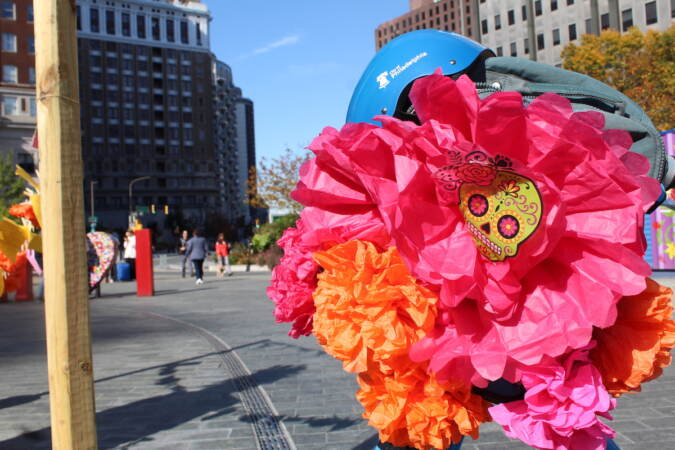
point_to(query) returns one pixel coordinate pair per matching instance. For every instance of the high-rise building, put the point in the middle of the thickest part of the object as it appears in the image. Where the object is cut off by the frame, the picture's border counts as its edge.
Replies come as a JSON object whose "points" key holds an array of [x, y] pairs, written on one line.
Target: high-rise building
{"points": [[460, 16], [230, 145], [17, 82], [245, 150], [147, 105], [510, 29]]}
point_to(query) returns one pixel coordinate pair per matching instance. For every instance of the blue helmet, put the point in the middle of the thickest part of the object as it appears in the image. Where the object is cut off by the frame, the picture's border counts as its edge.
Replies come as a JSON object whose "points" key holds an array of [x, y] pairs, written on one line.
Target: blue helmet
{"points": [[406, 58]]}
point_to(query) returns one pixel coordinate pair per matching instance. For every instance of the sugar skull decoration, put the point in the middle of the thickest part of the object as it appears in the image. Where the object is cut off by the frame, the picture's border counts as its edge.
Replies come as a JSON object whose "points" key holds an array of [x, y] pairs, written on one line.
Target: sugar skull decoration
{"points": [[502, 208]]}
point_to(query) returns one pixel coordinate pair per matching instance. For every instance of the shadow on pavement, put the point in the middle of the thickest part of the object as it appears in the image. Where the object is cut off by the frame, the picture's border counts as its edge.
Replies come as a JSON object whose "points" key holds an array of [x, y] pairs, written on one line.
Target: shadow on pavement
{"points": [[335, 423], [157, 293], [137, 421]]}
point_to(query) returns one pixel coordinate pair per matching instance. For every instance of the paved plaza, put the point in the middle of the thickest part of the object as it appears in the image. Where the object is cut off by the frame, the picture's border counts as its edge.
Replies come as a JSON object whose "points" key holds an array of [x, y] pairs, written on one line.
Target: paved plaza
{"points": [[206, 367]]}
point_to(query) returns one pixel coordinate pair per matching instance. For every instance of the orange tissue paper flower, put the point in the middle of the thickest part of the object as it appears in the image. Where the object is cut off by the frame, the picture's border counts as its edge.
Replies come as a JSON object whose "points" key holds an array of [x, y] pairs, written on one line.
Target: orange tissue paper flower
{"points": [[410, 408], [25, 210], [637, 347], [368, 306]]}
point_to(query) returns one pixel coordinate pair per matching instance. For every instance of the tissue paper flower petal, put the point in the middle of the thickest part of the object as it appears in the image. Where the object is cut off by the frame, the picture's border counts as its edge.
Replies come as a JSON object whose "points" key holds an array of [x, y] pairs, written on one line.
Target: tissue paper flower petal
{"points": [[368, 307], [562, 405], [25, 211], [637, 347], [294, 278], [412, 409]]}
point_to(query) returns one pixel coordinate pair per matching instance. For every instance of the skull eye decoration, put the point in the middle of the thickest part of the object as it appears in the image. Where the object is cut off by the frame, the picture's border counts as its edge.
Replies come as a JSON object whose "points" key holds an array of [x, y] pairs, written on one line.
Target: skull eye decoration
{"points": [[502, 208]]}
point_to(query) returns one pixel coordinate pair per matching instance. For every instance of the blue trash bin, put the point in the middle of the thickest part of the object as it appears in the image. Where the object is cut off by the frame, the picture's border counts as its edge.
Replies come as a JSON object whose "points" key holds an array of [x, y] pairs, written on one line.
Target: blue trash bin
{"points": [[123, 271]]}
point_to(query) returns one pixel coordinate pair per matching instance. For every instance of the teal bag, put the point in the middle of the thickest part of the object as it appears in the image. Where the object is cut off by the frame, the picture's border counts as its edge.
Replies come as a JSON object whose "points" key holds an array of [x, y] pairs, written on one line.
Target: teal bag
{"points": [[532, 79]]}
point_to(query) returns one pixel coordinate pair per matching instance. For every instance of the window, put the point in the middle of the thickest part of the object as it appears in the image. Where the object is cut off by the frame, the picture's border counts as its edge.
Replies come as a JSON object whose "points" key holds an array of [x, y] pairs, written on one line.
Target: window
{"points": [[31, 75], [95, 60], [184, 32], [170, 31], [110, 22], [78, 14], [94, 24], [7, 10], [8, 42], [126, 24], [526, 46], [514, 49], [31, 44], [556, 36], [512, 17], [537, 8], [155, 28], [626, 19], [650, 13], [30, 16], [140, 26], [540, 41], [498, 22], [604, 21], [199, 34], [572, 29], [484, 26], [32, 105], [523, 12], [589, 26], [9, 106], [554, 5], [10, 74], [570, 2], [500, 51]]}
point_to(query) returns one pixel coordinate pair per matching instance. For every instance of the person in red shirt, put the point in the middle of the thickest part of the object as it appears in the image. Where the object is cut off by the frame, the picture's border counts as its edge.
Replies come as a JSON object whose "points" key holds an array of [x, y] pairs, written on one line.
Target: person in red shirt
{"points": [[223, 254]]}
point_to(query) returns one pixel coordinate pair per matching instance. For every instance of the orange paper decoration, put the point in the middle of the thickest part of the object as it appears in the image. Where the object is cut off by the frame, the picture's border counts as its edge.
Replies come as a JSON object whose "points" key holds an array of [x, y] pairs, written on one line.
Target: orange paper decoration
{"points": [[368, 306], [637, 347]]}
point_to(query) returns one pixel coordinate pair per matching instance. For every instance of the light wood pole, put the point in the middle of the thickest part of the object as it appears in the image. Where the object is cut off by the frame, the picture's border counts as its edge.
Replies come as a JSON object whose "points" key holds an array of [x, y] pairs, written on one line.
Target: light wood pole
{"points": [[71, 387]]}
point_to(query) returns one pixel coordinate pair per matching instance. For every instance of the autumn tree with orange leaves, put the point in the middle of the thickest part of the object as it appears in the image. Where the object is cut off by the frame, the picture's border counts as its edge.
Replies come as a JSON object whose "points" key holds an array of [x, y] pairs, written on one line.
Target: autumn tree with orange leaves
{"points": [[270, 185], [641, 66]]}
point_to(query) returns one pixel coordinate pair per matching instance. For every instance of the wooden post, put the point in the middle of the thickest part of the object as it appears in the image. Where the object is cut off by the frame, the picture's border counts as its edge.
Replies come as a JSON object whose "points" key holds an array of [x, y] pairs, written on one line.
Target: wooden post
{"points": [[71, 388]]}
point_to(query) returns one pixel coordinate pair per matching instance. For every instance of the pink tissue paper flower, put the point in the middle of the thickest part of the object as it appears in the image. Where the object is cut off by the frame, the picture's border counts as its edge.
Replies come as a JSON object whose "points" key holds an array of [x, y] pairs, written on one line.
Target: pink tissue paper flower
{"points": [[294, 278], [525, 218], [562, 406]]}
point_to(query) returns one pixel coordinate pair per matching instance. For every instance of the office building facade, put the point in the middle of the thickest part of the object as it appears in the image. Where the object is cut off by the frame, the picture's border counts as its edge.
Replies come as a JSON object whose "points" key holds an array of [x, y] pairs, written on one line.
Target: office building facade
{"points": [[460, 16], [17, 83], [510, 29], [235, 145], [147, 106]]}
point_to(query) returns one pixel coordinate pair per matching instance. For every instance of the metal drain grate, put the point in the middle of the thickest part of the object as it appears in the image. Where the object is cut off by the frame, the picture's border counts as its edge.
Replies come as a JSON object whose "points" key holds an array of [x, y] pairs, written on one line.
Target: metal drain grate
{"points": [[269, 431]]}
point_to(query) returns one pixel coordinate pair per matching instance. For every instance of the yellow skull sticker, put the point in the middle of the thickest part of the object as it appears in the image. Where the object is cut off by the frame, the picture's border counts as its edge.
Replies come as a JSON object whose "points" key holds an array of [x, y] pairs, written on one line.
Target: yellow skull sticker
{"points": [[501, 215]]}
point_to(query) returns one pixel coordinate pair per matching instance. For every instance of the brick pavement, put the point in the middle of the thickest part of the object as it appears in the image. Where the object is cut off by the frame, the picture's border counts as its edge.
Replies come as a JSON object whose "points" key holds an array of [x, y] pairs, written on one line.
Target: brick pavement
{"points": [[161, 383]]}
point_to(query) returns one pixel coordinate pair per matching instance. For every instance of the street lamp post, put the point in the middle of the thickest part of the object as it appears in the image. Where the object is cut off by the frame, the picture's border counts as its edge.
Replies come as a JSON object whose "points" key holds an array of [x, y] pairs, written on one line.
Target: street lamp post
{"points": [[92, 220], [131, 190]]}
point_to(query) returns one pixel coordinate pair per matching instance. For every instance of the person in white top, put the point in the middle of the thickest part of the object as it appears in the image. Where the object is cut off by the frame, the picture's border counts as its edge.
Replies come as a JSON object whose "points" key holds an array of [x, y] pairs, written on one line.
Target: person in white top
{"points": [[130, 252]]}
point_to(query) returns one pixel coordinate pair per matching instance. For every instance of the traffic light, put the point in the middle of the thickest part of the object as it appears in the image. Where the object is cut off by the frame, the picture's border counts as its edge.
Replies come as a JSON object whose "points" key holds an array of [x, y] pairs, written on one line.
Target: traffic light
{"points": [[166, 209], [152, 209]]}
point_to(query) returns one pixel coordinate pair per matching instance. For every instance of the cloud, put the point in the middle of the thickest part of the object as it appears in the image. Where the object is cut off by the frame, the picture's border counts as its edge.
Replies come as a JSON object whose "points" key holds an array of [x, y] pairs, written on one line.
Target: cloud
{"points": [[314, 69], [283, 42]]}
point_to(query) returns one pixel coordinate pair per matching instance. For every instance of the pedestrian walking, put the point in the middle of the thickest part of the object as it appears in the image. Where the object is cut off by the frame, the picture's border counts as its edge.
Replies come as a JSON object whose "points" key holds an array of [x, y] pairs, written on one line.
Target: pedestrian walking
{"points": [[196, 250], [223, 255], [130, 252], [182, 250]]}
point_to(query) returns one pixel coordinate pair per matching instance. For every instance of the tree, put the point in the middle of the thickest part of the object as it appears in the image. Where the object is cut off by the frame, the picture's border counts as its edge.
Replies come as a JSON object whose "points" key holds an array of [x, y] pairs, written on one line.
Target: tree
{"points": [[641, 66], [271, 184], [11, 186]]}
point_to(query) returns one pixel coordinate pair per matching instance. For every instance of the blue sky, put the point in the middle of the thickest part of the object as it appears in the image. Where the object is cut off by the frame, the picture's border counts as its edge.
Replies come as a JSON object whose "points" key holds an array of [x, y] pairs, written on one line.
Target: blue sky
{"points": [[298, 60]]}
